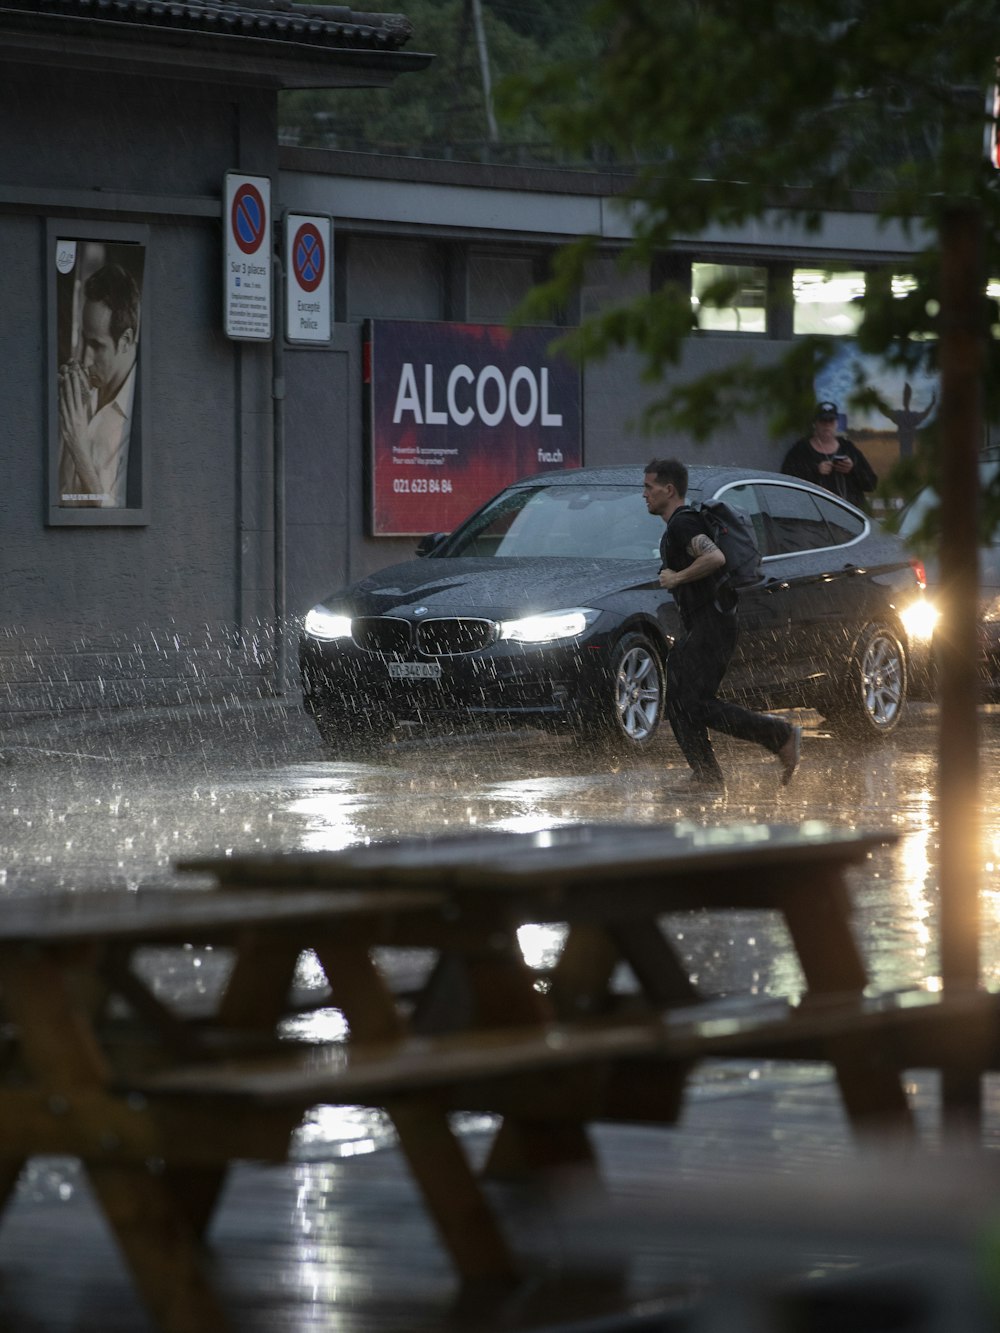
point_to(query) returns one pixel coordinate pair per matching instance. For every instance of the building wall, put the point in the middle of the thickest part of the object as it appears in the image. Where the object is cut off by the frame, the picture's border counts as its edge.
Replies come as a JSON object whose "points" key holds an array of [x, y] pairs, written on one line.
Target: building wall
{"points": [[462, 244], [187, 606], [106, 614]]}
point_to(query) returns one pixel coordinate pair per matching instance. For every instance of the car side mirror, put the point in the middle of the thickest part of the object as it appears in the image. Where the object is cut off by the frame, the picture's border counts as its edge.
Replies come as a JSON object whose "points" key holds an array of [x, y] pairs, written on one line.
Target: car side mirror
{"points": [[430, 543]]}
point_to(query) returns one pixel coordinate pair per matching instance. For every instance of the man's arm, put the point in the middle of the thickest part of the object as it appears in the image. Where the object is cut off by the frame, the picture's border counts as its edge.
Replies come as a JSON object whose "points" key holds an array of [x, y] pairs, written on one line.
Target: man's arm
{"points": [[74, 395], [708, 559]]}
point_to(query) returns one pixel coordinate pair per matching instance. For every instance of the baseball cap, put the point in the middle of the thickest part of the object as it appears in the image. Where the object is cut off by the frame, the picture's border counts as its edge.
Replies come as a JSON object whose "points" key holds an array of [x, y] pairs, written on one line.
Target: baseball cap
{"points": [[825, 409]]}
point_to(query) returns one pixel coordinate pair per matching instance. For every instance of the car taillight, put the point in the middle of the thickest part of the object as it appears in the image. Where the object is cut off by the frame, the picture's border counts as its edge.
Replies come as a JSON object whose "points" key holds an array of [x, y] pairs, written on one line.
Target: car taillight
{"points": [[919, 572]]}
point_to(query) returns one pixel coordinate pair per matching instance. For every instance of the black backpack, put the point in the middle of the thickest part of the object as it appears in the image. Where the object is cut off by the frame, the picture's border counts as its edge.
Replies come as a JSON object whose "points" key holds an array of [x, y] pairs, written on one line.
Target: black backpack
{"points": [[733, 532]]}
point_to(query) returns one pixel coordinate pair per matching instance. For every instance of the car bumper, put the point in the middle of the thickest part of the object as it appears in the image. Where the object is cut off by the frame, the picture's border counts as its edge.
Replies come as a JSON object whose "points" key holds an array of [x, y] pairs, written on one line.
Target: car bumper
{"points": [[555, 682]]}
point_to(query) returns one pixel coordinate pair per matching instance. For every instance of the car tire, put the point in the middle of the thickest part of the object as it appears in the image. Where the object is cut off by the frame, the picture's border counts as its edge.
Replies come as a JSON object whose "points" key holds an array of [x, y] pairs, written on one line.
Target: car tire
{"points": [[628, 715], [874, 688]]}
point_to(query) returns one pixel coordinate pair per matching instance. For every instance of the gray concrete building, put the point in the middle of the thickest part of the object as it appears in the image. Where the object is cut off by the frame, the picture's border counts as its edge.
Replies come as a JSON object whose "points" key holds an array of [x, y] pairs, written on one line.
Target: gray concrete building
{"points": [[233, 486]]}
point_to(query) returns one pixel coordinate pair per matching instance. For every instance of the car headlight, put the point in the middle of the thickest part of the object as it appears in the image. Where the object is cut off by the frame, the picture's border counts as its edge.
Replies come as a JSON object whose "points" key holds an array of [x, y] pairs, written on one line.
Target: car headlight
{"points": [[323, 624], [549, 626], [920, 620]]}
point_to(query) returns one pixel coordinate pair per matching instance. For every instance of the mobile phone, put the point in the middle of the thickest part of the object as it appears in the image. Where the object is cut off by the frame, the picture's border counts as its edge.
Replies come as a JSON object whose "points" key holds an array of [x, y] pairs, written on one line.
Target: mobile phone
{"points": [[838, 458]]}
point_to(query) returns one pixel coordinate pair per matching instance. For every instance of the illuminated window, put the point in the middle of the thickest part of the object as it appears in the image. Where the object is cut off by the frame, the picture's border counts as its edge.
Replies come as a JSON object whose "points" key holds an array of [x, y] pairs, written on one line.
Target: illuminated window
{"points": [[903, 284], [824, 301], [745, 308]]}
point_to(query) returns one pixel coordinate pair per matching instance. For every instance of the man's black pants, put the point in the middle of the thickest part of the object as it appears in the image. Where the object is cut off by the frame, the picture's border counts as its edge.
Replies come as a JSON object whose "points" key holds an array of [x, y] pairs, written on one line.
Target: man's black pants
{"points": [[695, 668]]}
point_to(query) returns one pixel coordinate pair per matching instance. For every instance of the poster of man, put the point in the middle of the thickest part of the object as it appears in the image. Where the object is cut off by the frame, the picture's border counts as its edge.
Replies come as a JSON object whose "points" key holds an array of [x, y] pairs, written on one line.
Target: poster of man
{"points": [[98, 308]]}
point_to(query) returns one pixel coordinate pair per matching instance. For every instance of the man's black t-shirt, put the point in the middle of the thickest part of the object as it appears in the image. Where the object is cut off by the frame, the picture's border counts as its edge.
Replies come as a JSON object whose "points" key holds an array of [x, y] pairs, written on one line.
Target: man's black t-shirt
{"points": [[681, 530]]}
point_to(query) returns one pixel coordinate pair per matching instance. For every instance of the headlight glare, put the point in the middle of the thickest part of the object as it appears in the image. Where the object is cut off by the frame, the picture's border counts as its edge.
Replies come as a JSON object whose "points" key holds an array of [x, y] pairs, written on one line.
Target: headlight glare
{"points": [[323, 624], [549, 626], [920, 620]]}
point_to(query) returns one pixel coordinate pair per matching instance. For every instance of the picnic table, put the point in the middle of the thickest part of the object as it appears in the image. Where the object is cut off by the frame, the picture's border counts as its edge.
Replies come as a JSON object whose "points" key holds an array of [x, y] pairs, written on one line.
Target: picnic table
{"points": [[157, 1104]]}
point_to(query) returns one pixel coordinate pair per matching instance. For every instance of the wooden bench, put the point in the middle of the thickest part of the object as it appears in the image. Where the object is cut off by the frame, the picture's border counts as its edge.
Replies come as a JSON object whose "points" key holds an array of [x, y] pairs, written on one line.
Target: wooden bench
{"points": [[157, 1108], [608, 1069]]}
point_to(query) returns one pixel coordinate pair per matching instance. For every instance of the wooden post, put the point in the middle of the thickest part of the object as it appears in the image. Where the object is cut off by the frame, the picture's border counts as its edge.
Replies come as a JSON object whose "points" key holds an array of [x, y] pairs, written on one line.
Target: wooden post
{"points": [[961, 363]]}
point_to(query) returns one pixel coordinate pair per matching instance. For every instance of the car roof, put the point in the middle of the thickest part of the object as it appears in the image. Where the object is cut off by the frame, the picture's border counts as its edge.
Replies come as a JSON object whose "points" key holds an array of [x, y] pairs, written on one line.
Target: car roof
{"points": [[700, 478]]}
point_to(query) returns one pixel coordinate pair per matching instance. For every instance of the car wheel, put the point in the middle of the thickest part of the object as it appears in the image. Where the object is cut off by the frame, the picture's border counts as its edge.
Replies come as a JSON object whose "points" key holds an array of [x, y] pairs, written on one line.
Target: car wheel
{"points": [[629, 714], [870, 704]]}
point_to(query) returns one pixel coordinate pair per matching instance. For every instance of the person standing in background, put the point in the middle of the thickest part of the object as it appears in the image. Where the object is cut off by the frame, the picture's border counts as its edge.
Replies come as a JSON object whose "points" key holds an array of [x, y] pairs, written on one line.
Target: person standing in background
{"points": [[831, 460]]}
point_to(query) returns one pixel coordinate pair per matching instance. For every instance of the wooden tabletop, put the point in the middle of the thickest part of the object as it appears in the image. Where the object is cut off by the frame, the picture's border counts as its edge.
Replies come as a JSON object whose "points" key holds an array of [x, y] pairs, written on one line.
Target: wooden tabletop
{"points": [[569, 857], [179, 915]]}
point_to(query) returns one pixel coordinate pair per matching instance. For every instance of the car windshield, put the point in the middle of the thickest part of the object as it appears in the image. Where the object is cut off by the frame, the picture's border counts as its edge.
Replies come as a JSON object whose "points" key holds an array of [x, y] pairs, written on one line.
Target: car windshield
{"points": [[608, 522]]}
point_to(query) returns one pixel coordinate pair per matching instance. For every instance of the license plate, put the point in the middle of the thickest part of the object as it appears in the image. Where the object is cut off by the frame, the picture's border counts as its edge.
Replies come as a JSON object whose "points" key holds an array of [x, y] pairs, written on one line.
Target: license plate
{"points": [[415, 670]]}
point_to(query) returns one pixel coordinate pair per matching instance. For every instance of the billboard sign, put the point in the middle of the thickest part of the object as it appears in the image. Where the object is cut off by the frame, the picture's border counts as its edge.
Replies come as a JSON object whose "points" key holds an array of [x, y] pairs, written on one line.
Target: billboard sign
{"points": [[458, 411]]}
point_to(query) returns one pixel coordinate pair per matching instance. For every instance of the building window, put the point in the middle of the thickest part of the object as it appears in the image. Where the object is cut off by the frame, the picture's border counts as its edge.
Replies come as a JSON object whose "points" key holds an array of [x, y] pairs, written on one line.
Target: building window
{"points": [[825, 301], [498, 284], [393, 279], [745, 306], [606, 284]]}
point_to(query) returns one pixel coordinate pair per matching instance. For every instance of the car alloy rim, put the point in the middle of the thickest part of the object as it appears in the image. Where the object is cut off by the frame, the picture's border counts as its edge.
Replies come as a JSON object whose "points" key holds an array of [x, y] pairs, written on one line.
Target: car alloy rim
{"points": [[882, 680], [638, 694]]}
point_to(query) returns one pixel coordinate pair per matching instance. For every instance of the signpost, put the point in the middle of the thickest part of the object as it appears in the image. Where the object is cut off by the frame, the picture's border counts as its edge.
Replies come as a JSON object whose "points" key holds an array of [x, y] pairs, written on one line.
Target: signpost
{"points": [[247, 275], [308, 267]]}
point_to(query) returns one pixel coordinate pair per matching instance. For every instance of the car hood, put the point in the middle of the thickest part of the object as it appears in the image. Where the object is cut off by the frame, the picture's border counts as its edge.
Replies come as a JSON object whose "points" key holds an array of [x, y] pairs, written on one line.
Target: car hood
{"points": [[498, 588]]}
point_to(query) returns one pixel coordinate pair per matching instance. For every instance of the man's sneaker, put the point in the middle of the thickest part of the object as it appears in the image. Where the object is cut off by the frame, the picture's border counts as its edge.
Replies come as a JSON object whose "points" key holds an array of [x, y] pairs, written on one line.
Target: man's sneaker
{"points": [[789, 755]]}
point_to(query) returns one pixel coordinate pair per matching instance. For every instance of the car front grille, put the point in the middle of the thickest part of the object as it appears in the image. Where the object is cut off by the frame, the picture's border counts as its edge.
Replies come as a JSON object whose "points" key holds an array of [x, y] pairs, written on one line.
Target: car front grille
{"points": [[450, 636], [383, 635]]}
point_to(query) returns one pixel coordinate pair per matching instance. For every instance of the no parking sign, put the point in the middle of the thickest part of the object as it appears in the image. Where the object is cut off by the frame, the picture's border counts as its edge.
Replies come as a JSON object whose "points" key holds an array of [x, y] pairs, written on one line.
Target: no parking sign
{"points": [[247, 277], [308, 264]]}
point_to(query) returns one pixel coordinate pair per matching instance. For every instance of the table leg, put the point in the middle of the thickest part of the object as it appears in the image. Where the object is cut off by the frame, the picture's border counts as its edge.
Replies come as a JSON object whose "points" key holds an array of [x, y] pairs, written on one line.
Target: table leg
{"points": [[582, 974], [504, 987], [63, 1057], [819, 922], [451, 1192], [255, 996], [10, 1172], [820, 926], [659, 971], [873, 1094], [197, 1191], [445, 1002], [256, 993], [436, 1159], [160, 1247]]}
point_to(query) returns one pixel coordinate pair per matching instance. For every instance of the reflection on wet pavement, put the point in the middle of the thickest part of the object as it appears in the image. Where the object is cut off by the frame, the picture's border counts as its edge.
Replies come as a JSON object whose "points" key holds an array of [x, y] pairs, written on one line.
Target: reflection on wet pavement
{"points": [[114, 818]]}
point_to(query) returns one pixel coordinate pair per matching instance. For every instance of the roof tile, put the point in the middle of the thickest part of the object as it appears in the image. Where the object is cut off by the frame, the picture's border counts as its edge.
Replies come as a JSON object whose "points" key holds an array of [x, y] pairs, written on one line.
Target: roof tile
{"points": [[330, 26]]}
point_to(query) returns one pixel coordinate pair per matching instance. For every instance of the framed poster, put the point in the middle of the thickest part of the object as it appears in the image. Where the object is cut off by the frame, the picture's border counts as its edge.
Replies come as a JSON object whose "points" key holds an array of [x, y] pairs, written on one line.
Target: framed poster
{"points": [[96, 375], [455, 412]]}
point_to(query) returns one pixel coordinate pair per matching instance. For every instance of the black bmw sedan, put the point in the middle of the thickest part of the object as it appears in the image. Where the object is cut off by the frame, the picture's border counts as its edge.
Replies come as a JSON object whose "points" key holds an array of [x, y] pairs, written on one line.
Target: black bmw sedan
{"points": [[543, 608]]}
